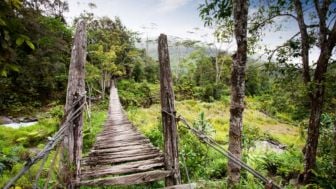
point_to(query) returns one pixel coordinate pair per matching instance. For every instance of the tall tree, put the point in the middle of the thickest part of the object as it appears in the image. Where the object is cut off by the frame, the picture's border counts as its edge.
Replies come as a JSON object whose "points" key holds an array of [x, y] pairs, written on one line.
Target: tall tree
{"points": [[221, 10], [111, 48], [240, 12], [317, 31]]}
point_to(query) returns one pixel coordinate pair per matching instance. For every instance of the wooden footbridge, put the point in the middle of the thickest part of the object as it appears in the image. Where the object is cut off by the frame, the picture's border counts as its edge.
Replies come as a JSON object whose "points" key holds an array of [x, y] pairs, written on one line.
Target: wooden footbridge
{"points": [[121, 155]]}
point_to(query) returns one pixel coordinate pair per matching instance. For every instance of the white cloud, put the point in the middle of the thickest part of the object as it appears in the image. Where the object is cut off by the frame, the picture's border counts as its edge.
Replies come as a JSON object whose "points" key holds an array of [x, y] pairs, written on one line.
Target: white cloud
{"points": [[170, 5]]}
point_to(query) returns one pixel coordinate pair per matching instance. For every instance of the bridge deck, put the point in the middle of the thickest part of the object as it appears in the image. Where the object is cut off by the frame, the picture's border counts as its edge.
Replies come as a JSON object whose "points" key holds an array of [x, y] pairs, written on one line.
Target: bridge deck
{"points": [[121, 155]]}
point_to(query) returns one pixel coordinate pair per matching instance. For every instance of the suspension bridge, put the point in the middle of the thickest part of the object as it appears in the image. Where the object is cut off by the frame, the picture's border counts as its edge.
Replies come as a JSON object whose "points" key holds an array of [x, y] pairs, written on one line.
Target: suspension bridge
{"points": [[121, 155]]}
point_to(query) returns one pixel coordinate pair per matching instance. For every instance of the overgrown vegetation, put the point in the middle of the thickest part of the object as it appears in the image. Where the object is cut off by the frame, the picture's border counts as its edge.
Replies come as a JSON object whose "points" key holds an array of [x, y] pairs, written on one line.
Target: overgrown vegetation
{"points": [[35, 46]]}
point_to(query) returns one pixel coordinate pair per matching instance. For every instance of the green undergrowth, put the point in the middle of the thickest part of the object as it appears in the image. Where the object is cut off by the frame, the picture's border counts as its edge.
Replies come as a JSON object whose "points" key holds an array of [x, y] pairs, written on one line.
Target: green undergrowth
{"points": [[18, 145], [93, 124], [218, 115], [206, 166]]}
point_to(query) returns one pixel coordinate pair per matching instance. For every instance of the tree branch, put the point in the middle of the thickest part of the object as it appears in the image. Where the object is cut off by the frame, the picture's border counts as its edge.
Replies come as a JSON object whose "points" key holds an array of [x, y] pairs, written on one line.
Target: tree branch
{"points": [[281, 46], [275, 16], [288, 14], [332, 37], [304, 40]]}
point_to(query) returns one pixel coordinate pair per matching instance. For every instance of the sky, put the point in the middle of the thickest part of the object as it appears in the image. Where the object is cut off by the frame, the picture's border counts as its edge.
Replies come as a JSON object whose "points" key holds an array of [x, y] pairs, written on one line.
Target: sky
{"points": [[172, 17], [152, 17]]}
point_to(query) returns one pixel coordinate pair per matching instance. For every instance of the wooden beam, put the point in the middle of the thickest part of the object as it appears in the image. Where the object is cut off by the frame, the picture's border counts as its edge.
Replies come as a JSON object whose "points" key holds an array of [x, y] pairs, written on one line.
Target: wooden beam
{"points": [[120, 144], [168, 122], [131, 167], [132, 152], [121, 139], [111, 160], [72, 142], [128, 179], [182, 186], [121, 149]]}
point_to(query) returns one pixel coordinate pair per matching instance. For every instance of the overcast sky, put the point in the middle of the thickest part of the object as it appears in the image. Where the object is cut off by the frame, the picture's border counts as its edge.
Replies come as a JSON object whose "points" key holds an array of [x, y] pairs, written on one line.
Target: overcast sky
{"points": [[172, 17]]}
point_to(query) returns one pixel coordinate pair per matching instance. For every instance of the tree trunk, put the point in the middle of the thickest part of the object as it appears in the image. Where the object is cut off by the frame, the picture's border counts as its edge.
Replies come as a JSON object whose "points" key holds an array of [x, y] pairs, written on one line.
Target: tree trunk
{"points": [[217, 70], [72, 143], [240, 12], [334, 161], [317, 101], [304, 41], [312, 138], [168, 109], [327, 41], [103, 84]]}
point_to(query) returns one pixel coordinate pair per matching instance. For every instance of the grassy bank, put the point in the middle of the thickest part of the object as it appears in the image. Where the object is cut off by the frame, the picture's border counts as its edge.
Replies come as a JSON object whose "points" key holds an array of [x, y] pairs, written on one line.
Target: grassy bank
{"points": [[218, 115], [205, 166], [18, 145]]}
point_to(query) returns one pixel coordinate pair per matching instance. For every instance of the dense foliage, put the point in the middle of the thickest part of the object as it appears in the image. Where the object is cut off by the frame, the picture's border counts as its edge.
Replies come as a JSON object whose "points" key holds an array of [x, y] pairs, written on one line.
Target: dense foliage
{"points": [[35, 49]]}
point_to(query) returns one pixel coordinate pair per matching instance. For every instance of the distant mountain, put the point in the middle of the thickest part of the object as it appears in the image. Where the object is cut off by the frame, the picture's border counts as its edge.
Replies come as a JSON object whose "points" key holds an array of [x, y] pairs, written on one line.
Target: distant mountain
{"points": [[178, 49]]}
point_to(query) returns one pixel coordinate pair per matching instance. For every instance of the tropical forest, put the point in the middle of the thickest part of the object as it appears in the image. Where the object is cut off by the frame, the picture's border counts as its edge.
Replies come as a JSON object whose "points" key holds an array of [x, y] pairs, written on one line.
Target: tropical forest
{"points": [[174, 94]]}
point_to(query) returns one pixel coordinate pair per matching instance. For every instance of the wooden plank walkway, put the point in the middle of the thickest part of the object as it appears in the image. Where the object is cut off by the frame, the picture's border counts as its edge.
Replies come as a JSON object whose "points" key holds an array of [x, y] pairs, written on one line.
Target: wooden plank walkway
{"points": [[121, 155]]}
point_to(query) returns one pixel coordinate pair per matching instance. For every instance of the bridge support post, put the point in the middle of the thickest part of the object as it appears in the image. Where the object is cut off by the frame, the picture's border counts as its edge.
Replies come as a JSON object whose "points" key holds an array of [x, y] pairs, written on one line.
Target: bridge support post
{"points": [[73, 139], [168, 109]]}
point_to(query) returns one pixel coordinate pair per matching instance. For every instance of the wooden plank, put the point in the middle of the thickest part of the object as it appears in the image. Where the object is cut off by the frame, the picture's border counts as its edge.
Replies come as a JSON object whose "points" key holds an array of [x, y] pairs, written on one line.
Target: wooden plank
{"points": [[120, 136], [131, 167], [117, 118], [111, 129], [120, 144], [129, 137], [118, 122], [119, 139], [116, 113], [86, 161], [128, 179], [127, 153], [113, 133], [124, 148], [182, 186]]}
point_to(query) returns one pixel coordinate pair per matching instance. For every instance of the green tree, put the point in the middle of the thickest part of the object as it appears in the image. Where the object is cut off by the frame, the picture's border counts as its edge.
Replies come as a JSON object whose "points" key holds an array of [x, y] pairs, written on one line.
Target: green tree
{"points": [[34, 56], [219, 11], [111, 48], [317, 31]]}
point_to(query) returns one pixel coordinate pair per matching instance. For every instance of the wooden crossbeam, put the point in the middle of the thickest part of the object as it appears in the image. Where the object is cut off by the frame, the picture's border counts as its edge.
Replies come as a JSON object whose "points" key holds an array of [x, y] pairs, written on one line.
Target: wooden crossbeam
{"points": [[137, 178]]}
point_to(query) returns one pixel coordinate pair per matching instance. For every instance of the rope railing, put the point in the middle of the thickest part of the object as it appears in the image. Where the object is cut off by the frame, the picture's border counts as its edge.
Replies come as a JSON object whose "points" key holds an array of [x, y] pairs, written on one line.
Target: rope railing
{"points": [[68, 117], [211, 142]]}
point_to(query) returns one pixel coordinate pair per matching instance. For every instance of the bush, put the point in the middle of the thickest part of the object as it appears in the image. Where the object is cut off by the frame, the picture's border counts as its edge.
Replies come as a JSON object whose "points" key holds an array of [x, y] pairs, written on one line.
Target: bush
{"points": [[218, 167], [325, 170], [137, 94], [8, 157], [57, 111], [288, 164], [193, 155]]}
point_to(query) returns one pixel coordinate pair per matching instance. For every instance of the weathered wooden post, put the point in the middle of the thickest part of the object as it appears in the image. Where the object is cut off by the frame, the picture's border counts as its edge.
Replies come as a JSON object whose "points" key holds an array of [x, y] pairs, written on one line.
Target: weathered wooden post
{"points": [[73, 139], [168, 109]]}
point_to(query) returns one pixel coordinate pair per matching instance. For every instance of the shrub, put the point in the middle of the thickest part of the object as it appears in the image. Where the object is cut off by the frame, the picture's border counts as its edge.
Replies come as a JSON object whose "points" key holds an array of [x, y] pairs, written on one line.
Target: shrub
{"points": [[8, 157], [288, 164], [136, 94]]}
